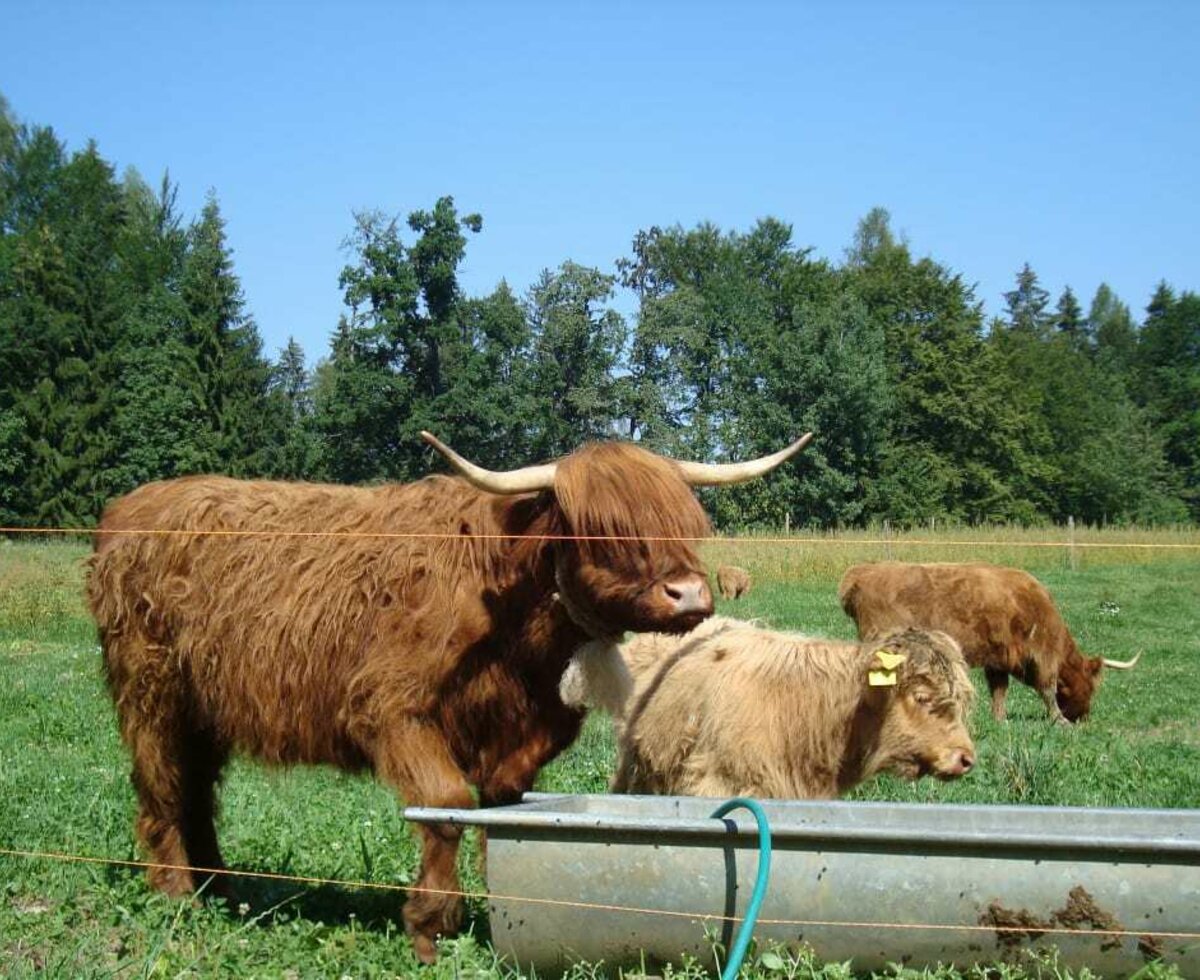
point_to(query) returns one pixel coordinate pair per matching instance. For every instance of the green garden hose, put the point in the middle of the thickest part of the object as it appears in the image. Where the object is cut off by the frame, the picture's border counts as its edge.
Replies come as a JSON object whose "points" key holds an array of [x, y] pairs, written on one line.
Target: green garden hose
{"points": [[737, 951]]}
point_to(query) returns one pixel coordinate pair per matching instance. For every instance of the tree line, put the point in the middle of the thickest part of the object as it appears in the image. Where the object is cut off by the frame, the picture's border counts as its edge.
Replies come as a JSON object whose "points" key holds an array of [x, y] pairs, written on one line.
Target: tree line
{"points": [[128, 354]]}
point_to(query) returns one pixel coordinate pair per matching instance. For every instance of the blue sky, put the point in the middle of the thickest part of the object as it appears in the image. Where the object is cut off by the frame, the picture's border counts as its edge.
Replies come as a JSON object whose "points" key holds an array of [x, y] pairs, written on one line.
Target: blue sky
{"points": [[1063, 134]]}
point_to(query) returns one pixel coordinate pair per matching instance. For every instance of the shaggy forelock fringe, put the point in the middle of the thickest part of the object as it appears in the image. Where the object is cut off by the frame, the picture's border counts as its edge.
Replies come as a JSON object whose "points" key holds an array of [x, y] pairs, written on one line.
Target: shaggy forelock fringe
{"points": [[621, 490]]}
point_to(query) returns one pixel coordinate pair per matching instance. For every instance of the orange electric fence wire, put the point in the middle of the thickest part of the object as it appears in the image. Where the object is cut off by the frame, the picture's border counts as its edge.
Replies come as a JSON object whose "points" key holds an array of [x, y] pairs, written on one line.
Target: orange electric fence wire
{"points": [[999, 542], [597, 906]]}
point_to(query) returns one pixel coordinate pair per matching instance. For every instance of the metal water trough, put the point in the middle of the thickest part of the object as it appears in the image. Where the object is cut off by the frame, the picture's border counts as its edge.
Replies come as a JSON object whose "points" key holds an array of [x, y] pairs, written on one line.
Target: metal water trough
{"points": [[872, 882]]}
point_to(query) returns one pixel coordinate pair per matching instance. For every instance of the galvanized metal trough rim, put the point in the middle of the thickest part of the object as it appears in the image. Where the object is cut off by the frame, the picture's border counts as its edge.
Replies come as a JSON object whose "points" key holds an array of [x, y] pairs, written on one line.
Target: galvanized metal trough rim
{"points": [[1149, 833]]}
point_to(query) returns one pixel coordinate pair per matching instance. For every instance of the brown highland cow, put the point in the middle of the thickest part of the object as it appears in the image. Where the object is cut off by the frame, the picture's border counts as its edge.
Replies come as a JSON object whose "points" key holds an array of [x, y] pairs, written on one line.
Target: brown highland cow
{"points": [[732, 582], [416, 630], [1003, 617]]}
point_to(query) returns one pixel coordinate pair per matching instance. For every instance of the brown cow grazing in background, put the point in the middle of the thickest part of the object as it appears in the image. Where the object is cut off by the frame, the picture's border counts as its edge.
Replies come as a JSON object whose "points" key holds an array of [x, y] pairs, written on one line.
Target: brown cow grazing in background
{"points": [[733, 709], [417, 630], [1004, 619], [732, 582]]}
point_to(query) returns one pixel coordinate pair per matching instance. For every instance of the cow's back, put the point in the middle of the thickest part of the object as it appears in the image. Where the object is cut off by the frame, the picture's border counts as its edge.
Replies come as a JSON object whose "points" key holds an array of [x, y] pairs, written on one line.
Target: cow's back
{"points": [[261, 603], [986, 608]]}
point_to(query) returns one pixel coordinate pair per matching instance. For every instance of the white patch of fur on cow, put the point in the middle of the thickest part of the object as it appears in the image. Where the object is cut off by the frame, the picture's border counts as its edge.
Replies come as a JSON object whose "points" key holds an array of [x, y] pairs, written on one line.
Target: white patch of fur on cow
{"points": [[597, 677]]}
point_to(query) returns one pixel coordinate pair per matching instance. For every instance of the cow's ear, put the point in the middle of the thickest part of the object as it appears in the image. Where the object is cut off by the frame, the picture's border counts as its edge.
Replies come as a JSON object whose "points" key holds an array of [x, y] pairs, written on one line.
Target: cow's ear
{"points": [[884, 667], [1094, 665]]}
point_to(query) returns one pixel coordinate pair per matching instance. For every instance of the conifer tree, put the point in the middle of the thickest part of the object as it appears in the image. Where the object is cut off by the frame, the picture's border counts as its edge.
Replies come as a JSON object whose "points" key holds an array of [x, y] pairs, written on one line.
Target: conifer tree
{"points": [[233, 373], [1168, 382], [959, 441], [1111, 325], [1069, 321], [158, 427], [293, 448], [1026, 305], [59, 306]]}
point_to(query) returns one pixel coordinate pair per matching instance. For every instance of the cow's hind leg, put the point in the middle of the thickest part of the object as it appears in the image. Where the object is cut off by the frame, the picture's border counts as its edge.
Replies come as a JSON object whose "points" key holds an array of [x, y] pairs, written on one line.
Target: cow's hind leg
{"points": [[174, 768], [203, 760], [997, 681], [158, 778], [416, 761]]}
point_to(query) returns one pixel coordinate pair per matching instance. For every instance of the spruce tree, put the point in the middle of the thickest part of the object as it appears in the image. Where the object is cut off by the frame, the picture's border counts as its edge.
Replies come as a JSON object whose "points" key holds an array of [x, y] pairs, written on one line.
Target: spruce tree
{"points": [[1069, 321], [60, 302], [1168, 382], [959, 441], [1111, 326], [234, 375], [293, 449], [1026, 305]]}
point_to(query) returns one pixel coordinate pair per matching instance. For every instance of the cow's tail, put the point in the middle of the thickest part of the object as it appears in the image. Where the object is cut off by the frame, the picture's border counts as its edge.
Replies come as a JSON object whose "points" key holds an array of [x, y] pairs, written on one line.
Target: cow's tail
{"points": [[597, 677]]}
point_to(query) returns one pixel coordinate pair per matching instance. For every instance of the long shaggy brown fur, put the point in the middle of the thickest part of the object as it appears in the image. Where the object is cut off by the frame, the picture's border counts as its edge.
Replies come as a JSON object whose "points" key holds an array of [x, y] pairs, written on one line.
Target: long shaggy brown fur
{"points": [[732, 582], [328, 636], [735, 709], [1004, 619]]}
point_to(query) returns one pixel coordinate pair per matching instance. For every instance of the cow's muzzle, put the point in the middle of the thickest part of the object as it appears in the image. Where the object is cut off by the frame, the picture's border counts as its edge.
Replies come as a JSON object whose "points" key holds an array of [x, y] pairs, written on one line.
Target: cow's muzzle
{"points": [[958, 763]]}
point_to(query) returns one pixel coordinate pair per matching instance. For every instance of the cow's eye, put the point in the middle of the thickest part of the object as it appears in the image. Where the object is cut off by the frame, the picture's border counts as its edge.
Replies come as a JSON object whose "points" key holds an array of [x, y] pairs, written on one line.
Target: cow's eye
{"points": [[922, 698]]}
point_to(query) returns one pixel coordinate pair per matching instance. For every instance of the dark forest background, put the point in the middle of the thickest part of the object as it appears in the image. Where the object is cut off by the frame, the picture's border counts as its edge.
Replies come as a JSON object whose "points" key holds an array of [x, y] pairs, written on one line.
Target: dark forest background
{"points": [[128, 354]]}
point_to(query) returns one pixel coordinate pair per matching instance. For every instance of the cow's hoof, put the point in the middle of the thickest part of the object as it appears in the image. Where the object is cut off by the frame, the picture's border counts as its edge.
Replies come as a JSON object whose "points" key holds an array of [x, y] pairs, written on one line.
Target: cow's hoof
{"points": [[172, 882], [426, 949]]}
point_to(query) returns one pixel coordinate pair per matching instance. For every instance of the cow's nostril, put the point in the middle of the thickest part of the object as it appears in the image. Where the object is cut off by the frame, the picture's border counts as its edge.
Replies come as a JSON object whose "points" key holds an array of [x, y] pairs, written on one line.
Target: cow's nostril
{"points": [[689, 595], [966, 760]]}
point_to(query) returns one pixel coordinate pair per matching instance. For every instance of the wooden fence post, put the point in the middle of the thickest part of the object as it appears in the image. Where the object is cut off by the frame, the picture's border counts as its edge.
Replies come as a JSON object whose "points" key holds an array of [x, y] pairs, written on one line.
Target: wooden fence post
{"points": [[1073, 558]]}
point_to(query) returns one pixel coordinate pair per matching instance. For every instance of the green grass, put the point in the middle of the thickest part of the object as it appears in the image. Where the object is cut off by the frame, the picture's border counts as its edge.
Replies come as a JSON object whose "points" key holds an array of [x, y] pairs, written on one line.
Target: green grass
{"points": [[64, 779]]}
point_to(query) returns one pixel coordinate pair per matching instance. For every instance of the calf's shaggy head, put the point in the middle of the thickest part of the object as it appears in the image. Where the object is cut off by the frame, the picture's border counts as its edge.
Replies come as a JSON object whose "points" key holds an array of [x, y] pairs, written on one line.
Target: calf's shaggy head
{"points": [[923, 701]]}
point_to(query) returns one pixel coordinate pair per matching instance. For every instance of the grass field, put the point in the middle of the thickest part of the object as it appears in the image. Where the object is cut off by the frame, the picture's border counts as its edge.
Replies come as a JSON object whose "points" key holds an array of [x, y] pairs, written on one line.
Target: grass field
{"points": [[64, 784]]}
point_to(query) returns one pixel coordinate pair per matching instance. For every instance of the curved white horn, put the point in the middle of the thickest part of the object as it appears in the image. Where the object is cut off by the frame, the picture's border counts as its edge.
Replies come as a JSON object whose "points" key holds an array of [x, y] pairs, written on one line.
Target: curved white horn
{"points": [[720, 474], [524, 480], [1122, 664]]}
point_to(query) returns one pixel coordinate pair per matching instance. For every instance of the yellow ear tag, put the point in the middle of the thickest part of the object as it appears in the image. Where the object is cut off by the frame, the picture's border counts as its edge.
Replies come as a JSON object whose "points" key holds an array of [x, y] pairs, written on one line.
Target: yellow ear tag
{"points": [[886, 675]]}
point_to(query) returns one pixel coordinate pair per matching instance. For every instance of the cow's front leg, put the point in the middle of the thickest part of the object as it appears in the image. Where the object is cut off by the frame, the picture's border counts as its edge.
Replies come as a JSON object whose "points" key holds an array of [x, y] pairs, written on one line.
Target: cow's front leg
{"points": [[514, 774], [414, 758], [506, 782], [1048, 690], [997, 681]]}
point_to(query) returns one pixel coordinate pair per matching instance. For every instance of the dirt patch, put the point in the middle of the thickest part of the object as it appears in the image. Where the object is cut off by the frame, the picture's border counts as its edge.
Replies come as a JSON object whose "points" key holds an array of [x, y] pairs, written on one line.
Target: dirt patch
{"points": [[1013, 925], [19, 952], [28, 905], [1151, 947], [1081, 913], [1186, 732]]}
